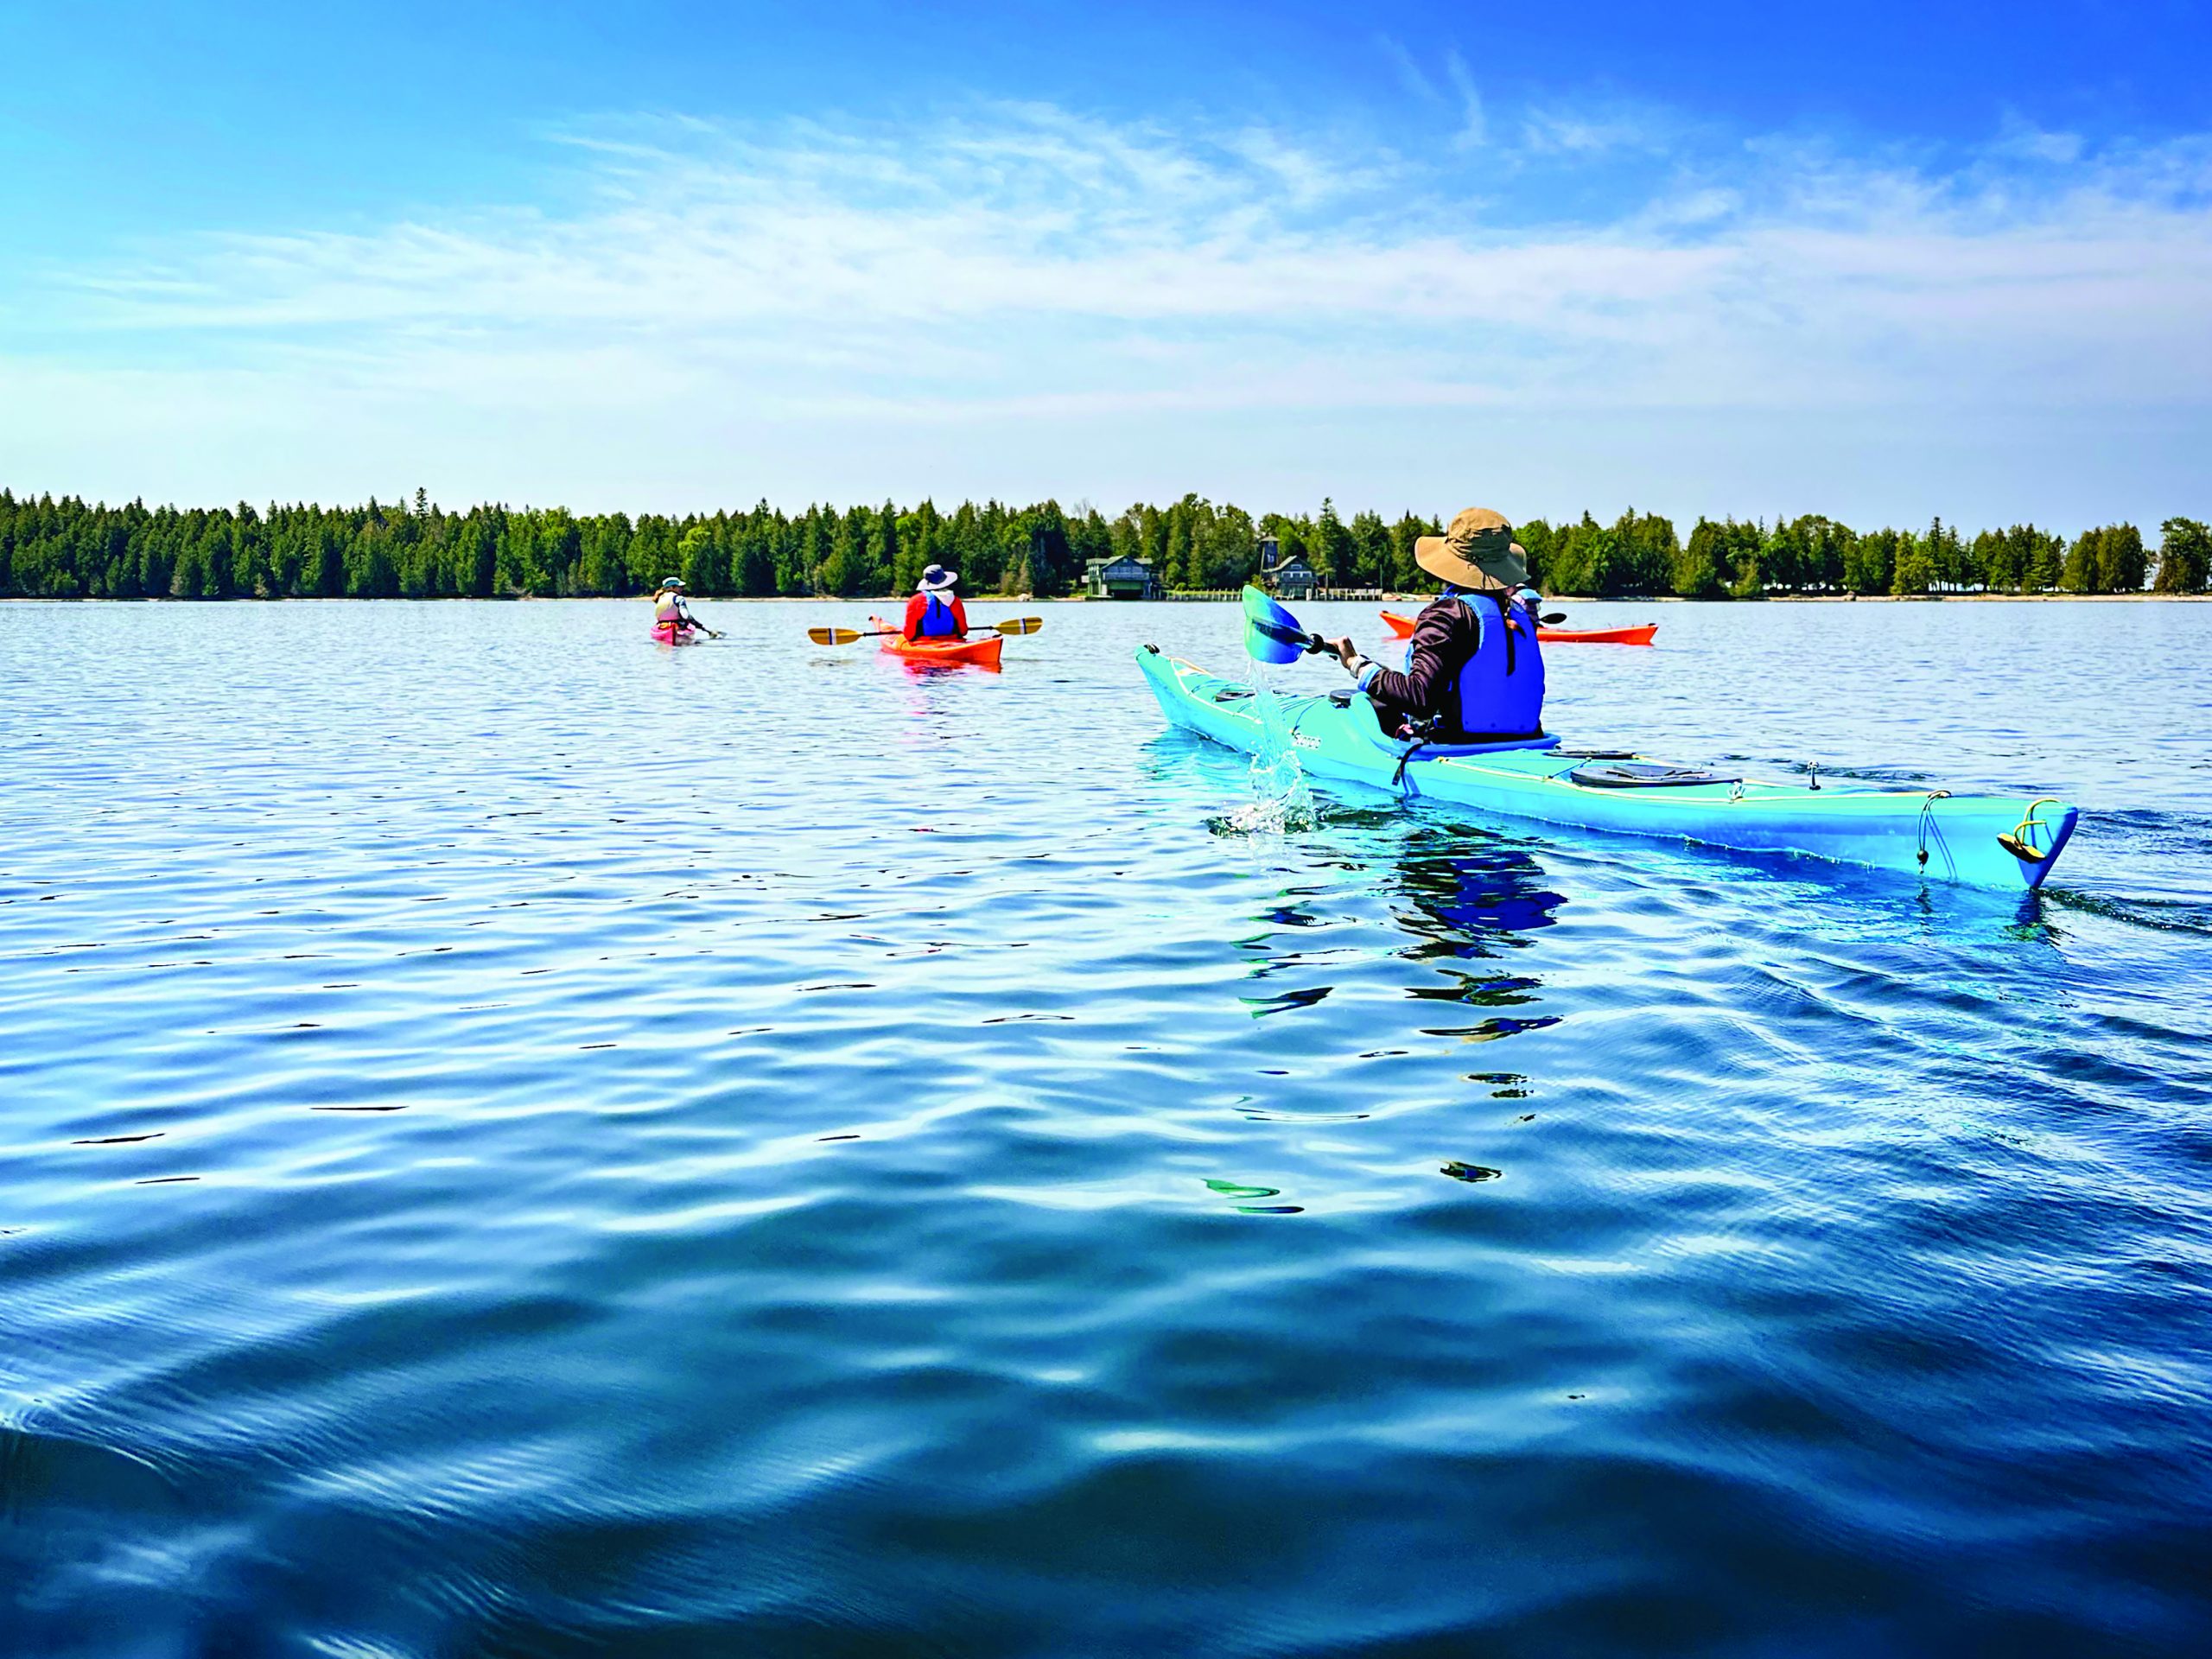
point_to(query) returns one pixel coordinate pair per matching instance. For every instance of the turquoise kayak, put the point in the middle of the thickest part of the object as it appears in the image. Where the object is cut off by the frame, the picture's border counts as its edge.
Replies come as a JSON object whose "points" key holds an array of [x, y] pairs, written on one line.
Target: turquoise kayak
{"points": [[1982, 840]]}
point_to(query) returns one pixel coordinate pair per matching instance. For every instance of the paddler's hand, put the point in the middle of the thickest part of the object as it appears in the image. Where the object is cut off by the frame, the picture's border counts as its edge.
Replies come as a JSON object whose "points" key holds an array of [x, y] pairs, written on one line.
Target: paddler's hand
{"points": [[1347, 653]]}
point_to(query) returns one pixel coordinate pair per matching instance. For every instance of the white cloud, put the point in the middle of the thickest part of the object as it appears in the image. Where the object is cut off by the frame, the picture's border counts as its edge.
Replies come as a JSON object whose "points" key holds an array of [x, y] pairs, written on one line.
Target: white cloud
{"points": [[1026, 268], [1474, 128], [1595, 131], [2023, 140], [1410, 74]]}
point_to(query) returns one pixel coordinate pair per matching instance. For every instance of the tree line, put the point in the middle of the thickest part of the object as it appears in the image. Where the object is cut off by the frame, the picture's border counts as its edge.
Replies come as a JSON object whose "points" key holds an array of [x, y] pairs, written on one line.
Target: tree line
{"points": [[1640, 554], [70, 548]]}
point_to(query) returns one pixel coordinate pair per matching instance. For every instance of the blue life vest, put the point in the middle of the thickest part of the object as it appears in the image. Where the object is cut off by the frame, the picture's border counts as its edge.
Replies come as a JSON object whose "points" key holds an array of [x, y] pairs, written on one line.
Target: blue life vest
{"points": [[937, 619], [1501, 689]]}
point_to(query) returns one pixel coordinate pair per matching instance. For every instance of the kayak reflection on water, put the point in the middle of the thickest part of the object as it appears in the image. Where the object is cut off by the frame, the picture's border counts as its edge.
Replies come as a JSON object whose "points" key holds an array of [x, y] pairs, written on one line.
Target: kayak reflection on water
{"points": [[1468, 905], [1464, 897], [1473, 904]]}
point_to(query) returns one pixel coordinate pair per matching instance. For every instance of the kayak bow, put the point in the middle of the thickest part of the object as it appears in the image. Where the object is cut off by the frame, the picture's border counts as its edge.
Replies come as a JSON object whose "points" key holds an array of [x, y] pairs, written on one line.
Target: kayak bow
{"points": [[1980, 841]]}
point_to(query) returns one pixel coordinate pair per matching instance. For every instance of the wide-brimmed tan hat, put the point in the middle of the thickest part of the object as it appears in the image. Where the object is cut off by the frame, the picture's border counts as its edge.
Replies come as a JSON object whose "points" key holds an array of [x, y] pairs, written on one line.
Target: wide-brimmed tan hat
{"points": [[1478, 551]]}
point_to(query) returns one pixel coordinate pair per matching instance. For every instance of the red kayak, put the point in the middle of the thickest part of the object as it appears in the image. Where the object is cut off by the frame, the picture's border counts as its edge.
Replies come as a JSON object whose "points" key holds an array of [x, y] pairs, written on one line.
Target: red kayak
{"points": [[1401, 628], [675, 633], [980, 652]]}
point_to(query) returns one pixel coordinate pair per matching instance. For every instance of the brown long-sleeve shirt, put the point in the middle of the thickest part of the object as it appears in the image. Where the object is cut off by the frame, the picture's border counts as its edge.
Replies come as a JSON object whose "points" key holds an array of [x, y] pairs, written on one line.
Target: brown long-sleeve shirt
{"points": [[1445, 637]]}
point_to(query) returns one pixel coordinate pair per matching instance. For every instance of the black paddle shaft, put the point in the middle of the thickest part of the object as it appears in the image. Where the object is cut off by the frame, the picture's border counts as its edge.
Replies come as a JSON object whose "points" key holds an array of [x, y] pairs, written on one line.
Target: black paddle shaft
{"points": [[1313, 643]]}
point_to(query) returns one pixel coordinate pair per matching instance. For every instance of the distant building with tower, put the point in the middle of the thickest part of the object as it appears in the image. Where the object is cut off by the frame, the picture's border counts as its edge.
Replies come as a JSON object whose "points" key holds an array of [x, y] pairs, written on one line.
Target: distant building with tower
{"points": [[1291, 577]]}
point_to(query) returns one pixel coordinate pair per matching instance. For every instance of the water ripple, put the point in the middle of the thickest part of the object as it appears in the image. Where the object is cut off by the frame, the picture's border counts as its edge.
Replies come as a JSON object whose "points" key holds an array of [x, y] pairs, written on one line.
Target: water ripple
{"points": [[522, 1142]]}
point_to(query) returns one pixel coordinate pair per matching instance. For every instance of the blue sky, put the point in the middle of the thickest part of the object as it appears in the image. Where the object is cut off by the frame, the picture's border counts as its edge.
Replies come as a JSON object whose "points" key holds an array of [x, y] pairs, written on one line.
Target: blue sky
{"points": [[1883, 261]]}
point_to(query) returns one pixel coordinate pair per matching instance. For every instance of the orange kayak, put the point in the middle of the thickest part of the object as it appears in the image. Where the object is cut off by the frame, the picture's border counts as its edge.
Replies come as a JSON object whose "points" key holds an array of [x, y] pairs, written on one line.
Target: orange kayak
{"points": [[981, 652], [1401, 628], [1638, 636]]}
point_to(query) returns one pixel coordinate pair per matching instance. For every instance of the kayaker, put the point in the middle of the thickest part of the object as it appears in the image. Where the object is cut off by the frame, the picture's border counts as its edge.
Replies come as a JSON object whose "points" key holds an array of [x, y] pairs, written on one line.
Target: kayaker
{"points": [[1474, 669], [669, 610], [935, 612]]}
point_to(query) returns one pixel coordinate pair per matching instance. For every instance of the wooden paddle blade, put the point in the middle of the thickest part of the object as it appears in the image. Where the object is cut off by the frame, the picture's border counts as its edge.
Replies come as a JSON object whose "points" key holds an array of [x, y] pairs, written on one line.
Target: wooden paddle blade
{"points": [[1020, 625], [834, 635]]}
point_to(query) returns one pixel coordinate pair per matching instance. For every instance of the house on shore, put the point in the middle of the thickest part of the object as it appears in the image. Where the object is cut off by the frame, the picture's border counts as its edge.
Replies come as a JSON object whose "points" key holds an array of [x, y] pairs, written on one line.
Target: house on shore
{"points": [[1121, 578]]}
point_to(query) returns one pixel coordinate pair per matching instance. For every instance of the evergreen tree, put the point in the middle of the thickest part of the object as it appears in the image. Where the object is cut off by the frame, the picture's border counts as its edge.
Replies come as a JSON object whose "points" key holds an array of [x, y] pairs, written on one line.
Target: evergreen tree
{"points": [[1334, 557], [1371, 550], [885, 569], [2083, 565], [2184, 557], [1991, 559], [1406, 575], [918, 547], [1088, 537], [1702, 570], [1649, 549], [1869, 561], [2120, 560], [1914, 569], [1747, 547], [2046, 559], [1227, 549], [1175, 568]]}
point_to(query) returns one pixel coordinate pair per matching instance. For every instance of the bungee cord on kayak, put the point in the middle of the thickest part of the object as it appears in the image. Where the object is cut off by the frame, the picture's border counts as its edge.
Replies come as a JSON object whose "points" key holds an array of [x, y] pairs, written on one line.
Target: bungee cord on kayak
{"points": [[1927, 818]]}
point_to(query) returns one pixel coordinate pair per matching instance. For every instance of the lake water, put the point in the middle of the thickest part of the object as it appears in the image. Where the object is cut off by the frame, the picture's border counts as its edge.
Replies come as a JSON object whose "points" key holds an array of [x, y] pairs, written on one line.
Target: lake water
{"points": [[518, 1141]]}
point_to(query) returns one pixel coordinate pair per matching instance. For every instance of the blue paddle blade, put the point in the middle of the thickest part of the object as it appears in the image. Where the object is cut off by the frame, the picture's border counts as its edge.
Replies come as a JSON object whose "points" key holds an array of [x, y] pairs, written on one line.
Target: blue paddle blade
{"points": [[1271, 634]]}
